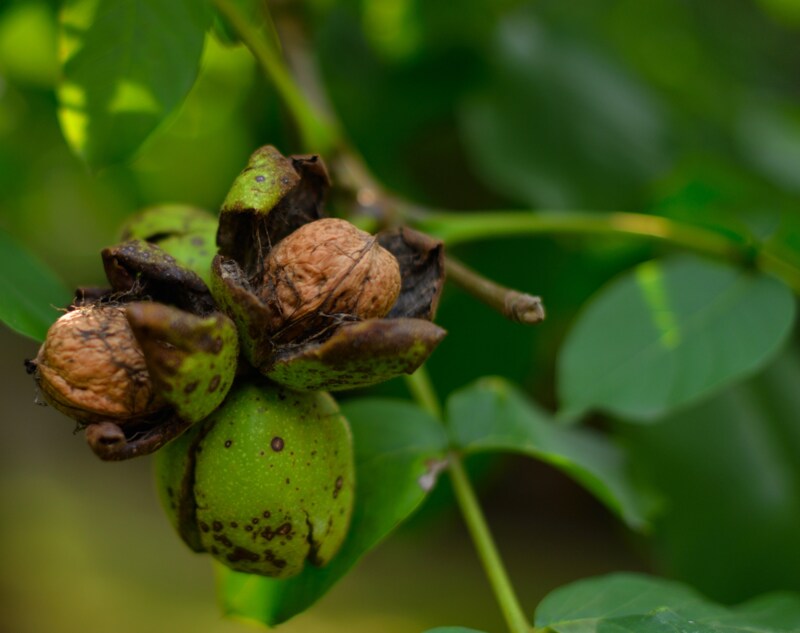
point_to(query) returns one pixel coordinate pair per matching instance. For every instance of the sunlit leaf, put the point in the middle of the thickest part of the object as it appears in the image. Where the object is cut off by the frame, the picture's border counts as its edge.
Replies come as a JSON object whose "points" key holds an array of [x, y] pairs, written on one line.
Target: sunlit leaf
{"points": [[398, 447], [492, 415], [631, 603], [668, 333], [127, 65], [28, 27], [30, 293]]}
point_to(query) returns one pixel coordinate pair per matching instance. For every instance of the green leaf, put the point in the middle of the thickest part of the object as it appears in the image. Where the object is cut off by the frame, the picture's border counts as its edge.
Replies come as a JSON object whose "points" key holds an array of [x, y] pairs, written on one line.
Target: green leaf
{"points": [[729, 474], [492, 415], [629, 602], [581, 607], [640, 604], [30, 293], [127, 65], [668, 333], [397, 449], [779, 611], [28, 27]]}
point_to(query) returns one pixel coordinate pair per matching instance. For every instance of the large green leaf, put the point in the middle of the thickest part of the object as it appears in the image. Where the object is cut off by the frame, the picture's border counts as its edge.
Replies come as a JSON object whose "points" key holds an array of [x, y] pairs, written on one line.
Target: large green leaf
{"points": [[668, 333], [639, 604], [491, 415], [397, 449], [30, 293], [729, 474], [127, 65]]}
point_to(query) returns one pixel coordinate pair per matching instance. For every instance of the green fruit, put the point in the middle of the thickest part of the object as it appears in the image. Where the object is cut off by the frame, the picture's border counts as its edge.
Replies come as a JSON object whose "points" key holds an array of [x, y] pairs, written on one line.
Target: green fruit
{"points": [[265, 483]]}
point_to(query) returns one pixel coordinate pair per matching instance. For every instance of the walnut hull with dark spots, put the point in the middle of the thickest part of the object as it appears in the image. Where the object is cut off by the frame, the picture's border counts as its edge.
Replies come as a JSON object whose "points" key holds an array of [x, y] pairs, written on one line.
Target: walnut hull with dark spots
{"points": [[286, 493]]}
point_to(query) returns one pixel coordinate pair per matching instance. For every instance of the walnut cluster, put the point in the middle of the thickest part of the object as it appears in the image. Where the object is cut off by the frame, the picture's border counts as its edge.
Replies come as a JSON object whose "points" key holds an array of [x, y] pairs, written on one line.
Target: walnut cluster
{"points": [[329, 270], [308, 302], [92, 368]]}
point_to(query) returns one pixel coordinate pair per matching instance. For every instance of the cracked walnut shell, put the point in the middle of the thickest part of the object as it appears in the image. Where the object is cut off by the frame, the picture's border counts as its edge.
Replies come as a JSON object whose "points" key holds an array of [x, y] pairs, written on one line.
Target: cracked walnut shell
{"points": [[92, 369], [327, 270]]}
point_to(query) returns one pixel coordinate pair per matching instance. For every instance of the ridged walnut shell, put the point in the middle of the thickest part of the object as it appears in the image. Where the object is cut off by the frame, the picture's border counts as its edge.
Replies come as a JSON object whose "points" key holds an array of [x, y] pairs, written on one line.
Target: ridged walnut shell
{"points": [[328, 271], [92, 368]]}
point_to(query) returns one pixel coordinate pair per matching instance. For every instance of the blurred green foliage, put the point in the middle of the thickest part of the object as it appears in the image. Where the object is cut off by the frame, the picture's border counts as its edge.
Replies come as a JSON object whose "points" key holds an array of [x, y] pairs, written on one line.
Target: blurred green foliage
{"points": [[687, 110], [110, 103], [28, 291]]}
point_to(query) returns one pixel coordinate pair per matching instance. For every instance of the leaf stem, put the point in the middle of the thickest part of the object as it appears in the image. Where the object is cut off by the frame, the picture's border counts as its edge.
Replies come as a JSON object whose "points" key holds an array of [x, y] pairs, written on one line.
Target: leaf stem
{"points": [[484, 543], [516, 306], [459, 228], [421, 387], [419, 384], [771, 263], [318, 133]]}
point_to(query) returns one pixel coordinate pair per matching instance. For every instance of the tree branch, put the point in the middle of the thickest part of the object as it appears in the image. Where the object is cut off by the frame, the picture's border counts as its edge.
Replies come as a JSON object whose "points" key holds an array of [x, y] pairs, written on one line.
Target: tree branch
{"points": [[512, 304]]}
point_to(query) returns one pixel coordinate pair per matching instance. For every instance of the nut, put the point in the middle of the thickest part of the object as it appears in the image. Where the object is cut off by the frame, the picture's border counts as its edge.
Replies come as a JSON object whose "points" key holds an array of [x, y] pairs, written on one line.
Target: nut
{"points": [[92, 369], [329, 269], [265, 483], [317, 303]]}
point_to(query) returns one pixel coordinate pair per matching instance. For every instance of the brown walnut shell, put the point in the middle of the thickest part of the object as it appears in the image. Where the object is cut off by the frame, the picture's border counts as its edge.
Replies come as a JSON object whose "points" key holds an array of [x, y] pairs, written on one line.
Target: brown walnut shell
{"points": [[329, 271], [92, 369]]}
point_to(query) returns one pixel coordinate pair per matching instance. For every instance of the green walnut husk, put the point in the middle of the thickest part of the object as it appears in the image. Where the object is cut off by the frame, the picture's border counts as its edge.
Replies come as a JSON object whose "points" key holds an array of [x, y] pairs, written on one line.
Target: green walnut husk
{"points": [[265, 483], [137, 268], [271, 202], [186, 233], [191, 360], [135, 375], [136, 364]]}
